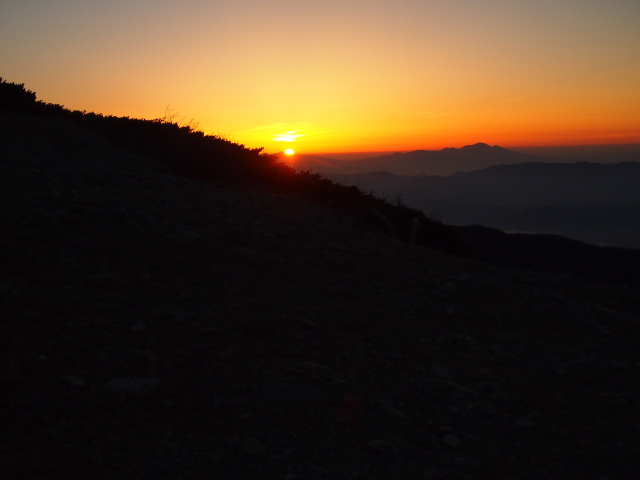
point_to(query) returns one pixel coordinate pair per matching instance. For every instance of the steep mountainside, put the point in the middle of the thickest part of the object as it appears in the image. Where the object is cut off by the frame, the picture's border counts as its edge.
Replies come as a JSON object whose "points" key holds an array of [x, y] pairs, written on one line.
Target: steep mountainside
{"points": [[160, 327]]}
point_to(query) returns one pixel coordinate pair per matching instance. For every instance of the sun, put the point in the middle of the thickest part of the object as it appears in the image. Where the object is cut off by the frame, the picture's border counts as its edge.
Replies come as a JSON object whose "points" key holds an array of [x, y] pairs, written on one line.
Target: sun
{"points": [[289, 151]]}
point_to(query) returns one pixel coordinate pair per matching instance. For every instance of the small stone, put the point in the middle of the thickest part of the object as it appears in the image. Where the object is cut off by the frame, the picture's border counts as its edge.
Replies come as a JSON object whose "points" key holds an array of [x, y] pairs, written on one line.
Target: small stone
{"points": [[461, 390], [380, 447], [184, 235], [424, 439], [448, 287], [429, 474], [209, 331], [145, 220], [309, 324], [254, 447], [316, 368], [443, 372], [478, 464], [391, 413], [345, 419], [107, 280], [480, 410], [523, 423], [182, 314], [445, 428], [78, 381], [453, 442], [582, 365], [132, 384], [291, 391], [138, 327], [66, 218], [6, 287]]}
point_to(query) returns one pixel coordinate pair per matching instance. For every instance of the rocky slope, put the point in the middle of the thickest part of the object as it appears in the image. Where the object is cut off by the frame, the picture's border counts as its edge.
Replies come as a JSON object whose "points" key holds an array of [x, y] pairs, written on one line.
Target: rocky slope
{"points": [[159, 327]]}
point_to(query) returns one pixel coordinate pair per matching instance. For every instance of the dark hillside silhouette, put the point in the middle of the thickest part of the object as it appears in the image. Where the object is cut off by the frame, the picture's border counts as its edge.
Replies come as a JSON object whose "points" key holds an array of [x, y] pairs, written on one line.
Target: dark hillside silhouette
{"points": [[553, 253], [211, 158]]}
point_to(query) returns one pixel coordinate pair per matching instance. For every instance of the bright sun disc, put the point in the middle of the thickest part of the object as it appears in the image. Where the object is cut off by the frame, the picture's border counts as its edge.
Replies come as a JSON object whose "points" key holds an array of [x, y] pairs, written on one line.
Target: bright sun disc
{"points": [[289, 151]]}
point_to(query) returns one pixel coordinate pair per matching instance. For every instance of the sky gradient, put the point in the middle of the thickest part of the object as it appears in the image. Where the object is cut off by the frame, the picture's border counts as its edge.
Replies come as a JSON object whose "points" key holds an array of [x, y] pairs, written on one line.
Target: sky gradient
{"points": [[341, 75]]}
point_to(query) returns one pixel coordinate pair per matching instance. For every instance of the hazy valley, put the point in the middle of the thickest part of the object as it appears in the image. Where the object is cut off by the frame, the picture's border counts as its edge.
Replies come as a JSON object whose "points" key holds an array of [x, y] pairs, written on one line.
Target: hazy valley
{"points": [[588, 196]]}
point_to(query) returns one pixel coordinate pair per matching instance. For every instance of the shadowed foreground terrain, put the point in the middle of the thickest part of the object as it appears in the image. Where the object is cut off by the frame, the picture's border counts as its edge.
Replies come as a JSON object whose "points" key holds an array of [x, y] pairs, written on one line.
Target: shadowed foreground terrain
{"points": [[160, 327]]}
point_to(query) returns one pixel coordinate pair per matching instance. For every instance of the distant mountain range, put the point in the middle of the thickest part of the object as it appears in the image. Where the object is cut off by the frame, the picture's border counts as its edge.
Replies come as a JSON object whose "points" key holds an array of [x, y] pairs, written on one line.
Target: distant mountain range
{"points": [[596, 203], [442, 162]]}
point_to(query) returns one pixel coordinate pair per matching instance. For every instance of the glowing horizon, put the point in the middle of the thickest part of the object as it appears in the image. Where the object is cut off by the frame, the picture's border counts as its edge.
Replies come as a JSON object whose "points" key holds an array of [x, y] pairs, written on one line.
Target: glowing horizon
{"points": [[397, 75]]}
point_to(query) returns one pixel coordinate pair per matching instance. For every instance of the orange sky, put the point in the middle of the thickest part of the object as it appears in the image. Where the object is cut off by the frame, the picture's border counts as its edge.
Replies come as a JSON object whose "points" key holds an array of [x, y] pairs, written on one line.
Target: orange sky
{"points": [[341, 75]]}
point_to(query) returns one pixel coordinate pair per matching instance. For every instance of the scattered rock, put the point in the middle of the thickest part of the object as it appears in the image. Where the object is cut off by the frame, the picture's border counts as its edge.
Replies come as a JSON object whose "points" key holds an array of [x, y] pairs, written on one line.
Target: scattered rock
{"points": [[523, 423], [444, 372], [462, 391], [582, 365], [391, 413], [254, 447], [109, 280], [453, 442], [381, 447], [480, 410], [75, 380], [309, 324], [132, 384], [138, 327], [291, 391]]}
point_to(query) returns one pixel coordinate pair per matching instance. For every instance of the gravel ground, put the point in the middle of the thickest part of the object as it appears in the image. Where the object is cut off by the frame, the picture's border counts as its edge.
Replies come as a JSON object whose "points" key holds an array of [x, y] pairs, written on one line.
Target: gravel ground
{"points": [[156, 327]]}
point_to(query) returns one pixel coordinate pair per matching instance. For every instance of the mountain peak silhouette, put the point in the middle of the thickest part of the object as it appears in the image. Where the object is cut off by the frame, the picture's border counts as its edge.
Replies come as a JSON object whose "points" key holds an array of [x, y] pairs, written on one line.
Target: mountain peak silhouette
{"points": [[480, 146]]}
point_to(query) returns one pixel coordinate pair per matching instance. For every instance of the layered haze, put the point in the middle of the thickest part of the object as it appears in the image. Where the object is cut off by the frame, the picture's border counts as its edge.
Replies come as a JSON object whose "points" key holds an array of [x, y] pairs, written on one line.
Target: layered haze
{"points": [[590, 195]]}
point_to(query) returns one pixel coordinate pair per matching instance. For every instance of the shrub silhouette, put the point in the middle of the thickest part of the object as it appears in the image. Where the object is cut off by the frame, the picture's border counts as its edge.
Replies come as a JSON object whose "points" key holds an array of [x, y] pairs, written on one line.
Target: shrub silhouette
{"points": [[210, 158], [16, 97]]}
